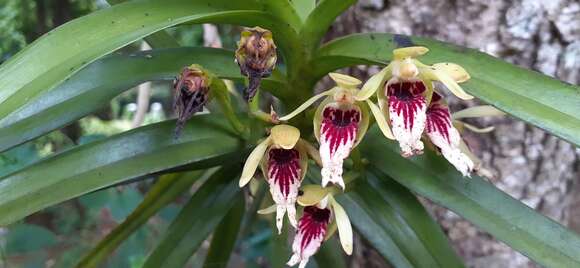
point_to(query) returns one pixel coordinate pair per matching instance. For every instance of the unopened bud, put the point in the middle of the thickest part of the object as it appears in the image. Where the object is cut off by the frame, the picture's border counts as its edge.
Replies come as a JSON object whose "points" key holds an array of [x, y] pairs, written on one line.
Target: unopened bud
{"points": [[191, 94], [256, 56]]}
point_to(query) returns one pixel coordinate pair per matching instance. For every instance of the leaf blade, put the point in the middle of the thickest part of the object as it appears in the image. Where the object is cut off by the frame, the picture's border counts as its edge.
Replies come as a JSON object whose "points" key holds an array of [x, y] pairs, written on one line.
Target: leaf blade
{"points": [[43, 65], [364, 223], [197, 219], [164, 191], [417, 218], [225, 236], [509, 220], [207, 140], [86, 91]]}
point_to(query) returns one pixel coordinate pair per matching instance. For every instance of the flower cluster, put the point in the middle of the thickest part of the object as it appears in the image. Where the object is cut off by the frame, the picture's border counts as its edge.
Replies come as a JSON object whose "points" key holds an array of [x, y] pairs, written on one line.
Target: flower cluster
{"points": [[409, 108]]}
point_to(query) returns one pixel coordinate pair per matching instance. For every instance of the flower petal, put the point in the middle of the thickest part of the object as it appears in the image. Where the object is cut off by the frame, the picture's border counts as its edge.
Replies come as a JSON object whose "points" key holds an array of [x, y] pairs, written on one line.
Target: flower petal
{"points": [[344, 81], [453, 70], [477, 111], [443, 135], [284, 173], [312, 194], [344, 227], [381, 121], [338, 135], [306, 104], [438, 75], [268, 210], [285, 136], [374, 83], [310, 234], [253, 161], [412, 52], [310, 150], [407, 107], [477, 129]]}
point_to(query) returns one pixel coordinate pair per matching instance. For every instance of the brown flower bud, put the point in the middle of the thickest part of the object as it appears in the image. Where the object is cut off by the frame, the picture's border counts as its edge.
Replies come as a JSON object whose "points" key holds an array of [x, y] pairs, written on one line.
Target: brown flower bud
{"points": [[191, 93], [256, 56]]}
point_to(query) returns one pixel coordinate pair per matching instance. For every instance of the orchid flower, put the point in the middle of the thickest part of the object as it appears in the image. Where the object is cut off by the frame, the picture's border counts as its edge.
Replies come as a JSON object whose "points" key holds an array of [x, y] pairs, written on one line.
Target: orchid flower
{"points": [[283, 159], [340, 122], [316, 224], [408, 88]]}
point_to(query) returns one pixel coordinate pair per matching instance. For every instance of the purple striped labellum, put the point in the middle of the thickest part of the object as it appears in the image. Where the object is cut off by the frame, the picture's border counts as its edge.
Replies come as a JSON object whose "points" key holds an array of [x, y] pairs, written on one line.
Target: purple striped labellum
{"points": [[191, 94], [311, 231], [284, 170], [338, 135], [407, 107], [445, 137]]}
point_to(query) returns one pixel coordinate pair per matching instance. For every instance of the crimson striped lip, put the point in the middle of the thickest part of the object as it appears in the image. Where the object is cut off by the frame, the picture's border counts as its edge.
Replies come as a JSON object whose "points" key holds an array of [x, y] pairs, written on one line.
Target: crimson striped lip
{"points": [[339, 127], [312, 226], [406, 99], [284, 169]]}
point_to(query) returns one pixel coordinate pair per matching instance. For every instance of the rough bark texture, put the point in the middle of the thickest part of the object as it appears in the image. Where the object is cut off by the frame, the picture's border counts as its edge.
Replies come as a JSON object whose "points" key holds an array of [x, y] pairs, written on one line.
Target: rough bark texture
{"points": [[530, 164]]}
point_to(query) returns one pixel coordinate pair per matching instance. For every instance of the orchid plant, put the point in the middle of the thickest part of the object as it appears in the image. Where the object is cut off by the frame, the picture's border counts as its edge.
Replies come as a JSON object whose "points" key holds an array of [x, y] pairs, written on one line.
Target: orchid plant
{"points": [[348, 160]]}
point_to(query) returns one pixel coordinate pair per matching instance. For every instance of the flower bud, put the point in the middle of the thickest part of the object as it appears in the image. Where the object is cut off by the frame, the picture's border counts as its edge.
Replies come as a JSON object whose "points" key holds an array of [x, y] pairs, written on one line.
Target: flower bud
{"points": [[191, 94], [256, 56]]}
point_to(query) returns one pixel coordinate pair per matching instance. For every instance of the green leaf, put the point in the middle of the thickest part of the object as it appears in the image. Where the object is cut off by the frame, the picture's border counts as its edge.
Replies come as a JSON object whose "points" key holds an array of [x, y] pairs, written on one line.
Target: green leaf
{"points": [[225, 236], [160, 39], [164, 191], [330, 254], [415, 222], [535, 98], [200, 216], [534, 235], [67, 49], [206, 141], [279, 249], [320, 20], [94, 86], [364, 220], [396, 227], [304, 7]]}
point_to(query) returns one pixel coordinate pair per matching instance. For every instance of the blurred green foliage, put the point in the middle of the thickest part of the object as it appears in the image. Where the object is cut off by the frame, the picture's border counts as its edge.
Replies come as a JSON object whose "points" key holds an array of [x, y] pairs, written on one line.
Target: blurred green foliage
{"points": [[22, 21], [59, 236]]}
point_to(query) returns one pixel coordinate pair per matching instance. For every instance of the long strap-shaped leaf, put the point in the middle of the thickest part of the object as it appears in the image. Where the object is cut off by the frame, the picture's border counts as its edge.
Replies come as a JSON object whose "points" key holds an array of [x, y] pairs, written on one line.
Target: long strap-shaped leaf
{"points": [[94, 86], [509, 220], [538, 99], [364, 220], [206, 141], [421, 227], [225, 236], [398, 213], [200, 216], [164, 191], [67, 49], [320, 19]]}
